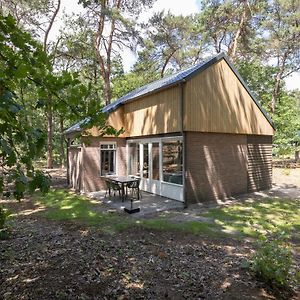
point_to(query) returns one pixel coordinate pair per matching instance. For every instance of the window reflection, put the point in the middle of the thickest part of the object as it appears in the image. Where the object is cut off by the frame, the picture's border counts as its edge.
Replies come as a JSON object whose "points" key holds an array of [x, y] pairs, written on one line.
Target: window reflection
{"points": [[108, 159], [155, 161], [172, 161], [134, 159], [146, 161]]}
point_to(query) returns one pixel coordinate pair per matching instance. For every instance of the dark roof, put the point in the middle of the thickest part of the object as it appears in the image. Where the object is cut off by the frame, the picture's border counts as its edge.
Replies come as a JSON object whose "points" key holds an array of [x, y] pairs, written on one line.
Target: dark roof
{"points": [[160, 84], [174, 79], [76, 127]]}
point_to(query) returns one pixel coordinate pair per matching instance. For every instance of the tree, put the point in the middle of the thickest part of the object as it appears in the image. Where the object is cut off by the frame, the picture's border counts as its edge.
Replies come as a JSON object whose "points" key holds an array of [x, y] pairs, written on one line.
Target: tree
{"points": [[231, 26], [24, 66], [23, 63], [171, 42], [37, 17], [114, 26], [281, 26]]}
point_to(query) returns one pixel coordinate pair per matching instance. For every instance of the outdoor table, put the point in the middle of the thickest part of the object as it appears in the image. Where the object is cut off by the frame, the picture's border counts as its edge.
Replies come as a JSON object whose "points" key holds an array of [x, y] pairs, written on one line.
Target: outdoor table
{"points": [[123, 181]]}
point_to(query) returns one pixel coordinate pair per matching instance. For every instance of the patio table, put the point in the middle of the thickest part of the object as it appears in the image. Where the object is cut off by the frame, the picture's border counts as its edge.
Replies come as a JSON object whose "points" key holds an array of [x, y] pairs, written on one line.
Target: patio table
{"points": [[123, 181]]}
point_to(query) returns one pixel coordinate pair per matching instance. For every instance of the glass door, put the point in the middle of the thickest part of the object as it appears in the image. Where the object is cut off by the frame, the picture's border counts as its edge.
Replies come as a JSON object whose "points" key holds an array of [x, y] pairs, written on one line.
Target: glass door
{"points": [[159, 164]]}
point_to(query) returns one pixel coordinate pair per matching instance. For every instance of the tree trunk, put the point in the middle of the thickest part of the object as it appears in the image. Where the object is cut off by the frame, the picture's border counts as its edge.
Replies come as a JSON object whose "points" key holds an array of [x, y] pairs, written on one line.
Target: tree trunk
{"points": [[162, 73], [62, 144], [50, 135], [278, 79], [232, 49], [107, 88], [50, 25], [49, 112]]}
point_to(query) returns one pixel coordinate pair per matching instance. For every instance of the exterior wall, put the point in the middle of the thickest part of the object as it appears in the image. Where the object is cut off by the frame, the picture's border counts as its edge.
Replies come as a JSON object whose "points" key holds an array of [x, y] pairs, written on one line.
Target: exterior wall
{"points": [[221, 165], [115, 119], [75, 168], [216, 166], [92, 181], [259, 162], [216, 101], [154, 114]]}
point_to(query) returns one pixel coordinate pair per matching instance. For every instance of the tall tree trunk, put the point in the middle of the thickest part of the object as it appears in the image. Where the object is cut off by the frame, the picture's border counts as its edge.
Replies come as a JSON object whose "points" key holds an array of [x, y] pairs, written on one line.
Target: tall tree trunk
{"points": [[49, 134], [162, 72], [232, 49], [105, 62], [51, 24], [278, 79], [49, 111], [62, 143]]}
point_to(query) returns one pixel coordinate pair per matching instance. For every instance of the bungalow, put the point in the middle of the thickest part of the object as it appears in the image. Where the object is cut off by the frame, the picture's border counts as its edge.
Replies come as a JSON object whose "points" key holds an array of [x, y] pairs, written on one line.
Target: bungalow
{"points": [[198, 135]]}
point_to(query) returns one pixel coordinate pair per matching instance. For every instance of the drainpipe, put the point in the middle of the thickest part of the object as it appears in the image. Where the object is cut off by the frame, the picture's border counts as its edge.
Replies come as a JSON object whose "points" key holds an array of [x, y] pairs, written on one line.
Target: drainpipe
{"points": [[68, 142], [182, 111]]}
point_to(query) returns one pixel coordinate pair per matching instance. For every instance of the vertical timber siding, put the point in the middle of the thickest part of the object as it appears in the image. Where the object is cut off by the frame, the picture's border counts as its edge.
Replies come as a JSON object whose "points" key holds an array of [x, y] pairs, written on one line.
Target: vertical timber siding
{"points": [[154, 114], [216, 166], [114, 119], [259, 162], [216, 101]]}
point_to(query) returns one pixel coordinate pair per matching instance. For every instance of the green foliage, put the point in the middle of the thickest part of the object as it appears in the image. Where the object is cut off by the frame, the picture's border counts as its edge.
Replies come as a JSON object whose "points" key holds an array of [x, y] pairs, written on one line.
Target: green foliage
{"points": [[273, 261], [171, 43], [260, 79], [286, 118], [29, 86], [287, 122], [22, 63]]}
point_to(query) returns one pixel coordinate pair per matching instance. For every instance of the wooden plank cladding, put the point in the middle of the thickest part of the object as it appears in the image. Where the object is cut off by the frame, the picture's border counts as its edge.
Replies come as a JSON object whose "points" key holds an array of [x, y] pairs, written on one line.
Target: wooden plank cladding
{"points": [[114, 119], [216, 101], [259, 162], [154, 114]]}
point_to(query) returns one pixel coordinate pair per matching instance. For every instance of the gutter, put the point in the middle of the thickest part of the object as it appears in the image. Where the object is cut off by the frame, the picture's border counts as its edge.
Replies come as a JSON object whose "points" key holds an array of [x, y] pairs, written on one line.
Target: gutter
{"points": [[182, 112]]}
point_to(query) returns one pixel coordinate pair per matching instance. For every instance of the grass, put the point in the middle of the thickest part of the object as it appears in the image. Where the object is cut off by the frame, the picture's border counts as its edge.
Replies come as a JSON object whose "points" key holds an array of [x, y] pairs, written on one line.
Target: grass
{"points": [[254, 218], [245, 219], [63, 205]]}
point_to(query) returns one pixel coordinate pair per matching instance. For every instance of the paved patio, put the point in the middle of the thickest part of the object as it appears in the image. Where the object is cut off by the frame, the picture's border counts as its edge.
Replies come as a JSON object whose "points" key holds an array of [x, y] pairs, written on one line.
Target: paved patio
{"points": [[149, 204]]}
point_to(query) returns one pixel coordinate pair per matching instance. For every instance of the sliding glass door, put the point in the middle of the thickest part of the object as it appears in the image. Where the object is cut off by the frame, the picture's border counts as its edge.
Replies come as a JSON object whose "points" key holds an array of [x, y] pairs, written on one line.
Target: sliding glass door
{"points": [[159, 164]]}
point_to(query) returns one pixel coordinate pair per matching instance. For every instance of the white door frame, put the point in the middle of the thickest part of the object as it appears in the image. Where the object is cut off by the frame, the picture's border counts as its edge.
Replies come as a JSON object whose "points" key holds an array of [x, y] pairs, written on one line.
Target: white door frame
{"points": [[159, 187]]}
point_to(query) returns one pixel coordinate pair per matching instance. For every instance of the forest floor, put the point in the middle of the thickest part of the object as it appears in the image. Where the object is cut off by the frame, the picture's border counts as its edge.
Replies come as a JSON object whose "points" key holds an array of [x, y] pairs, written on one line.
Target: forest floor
{"points": [[60, 247]]}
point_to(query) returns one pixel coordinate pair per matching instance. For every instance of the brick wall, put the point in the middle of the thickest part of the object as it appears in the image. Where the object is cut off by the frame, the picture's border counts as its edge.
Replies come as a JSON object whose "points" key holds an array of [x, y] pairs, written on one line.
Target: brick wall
{"points": [[216, 166], [92, 181], [74, 168], [259, 162]]}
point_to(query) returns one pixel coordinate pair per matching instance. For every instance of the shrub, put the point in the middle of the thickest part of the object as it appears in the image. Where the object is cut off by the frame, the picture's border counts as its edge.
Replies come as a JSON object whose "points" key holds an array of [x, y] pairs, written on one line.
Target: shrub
{"points": [[4, 231], [273, 261], [3, 216]]}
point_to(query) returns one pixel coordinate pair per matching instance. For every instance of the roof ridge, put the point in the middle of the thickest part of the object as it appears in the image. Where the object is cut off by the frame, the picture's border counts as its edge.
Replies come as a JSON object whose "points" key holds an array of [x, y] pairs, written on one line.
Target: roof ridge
{"points": [[162, 83]]}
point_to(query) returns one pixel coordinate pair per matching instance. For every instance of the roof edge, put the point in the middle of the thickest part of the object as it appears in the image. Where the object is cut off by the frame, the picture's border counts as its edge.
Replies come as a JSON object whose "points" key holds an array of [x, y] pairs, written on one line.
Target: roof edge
{"points": [[237, 74], [207, 64]]}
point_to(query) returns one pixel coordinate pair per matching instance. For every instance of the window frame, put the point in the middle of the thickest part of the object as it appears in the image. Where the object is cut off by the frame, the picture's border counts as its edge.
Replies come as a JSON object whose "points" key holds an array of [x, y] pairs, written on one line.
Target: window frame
{"points": [[168, 140], [114, 150]]}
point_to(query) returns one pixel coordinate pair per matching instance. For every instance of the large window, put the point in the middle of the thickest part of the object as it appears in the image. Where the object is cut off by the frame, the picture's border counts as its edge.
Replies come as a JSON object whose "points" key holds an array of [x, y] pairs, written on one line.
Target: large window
{"points": [[155, 161], [134, 159], [146, 161], [108, 159], [172, 161]]}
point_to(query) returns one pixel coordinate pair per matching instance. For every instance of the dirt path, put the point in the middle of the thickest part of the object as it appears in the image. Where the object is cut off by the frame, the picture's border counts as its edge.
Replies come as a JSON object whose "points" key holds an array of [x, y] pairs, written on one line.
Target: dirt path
{"points": [[45, 259], [52, 260]]}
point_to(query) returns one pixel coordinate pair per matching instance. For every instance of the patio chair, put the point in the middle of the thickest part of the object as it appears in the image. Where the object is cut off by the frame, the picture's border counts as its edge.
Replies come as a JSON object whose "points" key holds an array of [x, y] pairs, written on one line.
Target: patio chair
{"points": [[134, 188], [112, 186]]}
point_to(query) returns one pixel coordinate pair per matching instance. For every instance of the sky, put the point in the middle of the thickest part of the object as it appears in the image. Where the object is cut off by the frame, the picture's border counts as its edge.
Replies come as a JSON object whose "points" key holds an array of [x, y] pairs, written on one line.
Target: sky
{"points": [[177, 7]]}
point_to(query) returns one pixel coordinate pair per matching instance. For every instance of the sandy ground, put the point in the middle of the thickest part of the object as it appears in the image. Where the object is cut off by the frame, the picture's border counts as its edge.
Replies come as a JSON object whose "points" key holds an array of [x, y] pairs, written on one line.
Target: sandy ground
{"points": [[286, 177]]}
